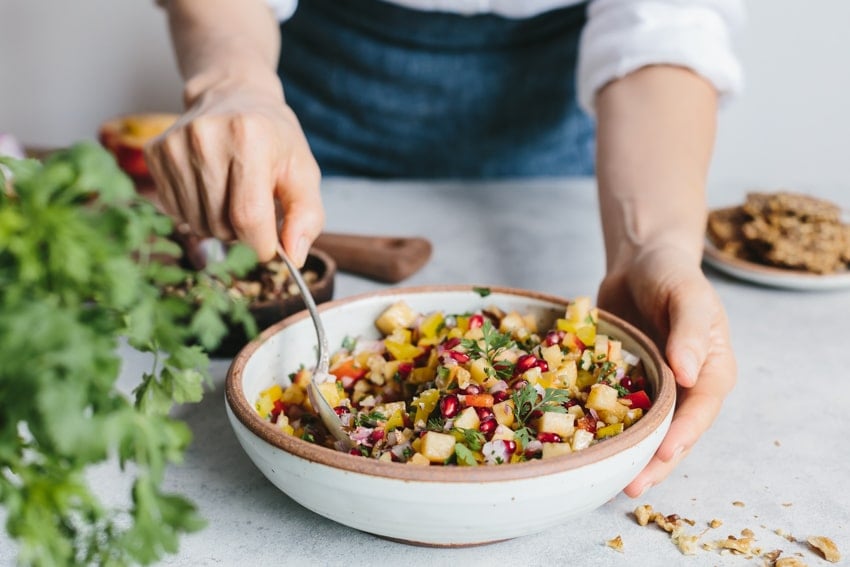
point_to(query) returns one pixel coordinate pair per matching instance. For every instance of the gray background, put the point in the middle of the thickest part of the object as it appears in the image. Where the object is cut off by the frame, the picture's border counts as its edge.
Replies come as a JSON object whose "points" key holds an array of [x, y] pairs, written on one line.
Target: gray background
{"points": [[66, 66]]}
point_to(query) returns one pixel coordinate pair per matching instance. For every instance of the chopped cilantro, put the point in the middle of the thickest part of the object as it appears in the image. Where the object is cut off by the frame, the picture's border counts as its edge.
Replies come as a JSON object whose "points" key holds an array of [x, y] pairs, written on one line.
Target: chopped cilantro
{"points": [[464, 455], [482, 291]]}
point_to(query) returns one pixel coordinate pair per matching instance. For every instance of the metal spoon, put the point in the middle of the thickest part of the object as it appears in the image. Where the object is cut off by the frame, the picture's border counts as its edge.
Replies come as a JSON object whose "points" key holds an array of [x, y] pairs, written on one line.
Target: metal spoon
{"points": [[317, 400]]}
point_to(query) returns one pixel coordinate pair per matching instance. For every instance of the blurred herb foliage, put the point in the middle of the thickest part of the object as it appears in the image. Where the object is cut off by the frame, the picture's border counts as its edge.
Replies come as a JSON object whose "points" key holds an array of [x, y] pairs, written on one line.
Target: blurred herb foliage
{"points": [[84, 262]]}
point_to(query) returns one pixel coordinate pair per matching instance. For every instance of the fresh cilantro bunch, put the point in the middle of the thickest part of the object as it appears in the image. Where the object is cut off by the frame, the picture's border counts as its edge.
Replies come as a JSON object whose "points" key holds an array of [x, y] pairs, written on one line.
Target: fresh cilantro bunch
{"points": [[83, 262]]}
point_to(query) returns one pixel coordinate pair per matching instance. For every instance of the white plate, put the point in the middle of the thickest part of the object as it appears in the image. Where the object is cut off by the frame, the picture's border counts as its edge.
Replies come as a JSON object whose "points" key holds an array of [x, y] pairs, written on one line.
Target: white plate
{"points": [[771, 276]]}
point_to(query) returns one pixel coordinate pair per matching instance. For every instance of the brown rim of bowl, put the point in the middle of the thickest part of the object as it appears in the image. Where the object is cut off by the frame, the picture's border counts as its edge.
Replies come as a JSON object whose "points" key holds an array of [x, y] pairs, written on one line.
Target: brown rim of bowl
{"points": [[245, 413]]}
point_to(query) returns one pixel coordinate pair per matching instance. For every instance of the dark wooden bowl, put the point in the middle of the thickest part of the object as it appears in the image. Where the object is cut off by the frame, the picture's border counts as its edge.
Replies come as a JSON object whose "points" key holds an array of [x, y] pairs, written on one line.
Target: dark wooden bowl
{"points": [[269, 312]]}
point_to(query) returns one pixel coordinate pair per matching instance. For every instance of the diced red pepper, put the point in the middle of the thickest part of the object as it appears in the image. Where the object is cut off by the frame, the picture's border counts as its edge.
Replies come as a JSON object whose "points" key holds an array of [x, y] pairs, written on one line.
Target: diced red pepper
{"points": [[478, 400], [476, 321], [347, 369], [638, 399]]}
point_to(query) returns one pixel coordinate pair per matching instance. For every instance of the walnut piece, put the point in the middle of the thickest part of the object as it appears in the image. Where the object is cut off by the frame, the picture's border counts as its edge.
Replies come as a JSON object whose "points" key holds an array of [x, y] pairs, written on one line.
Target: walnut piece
{"points": [[827, 548], [616, 544]]}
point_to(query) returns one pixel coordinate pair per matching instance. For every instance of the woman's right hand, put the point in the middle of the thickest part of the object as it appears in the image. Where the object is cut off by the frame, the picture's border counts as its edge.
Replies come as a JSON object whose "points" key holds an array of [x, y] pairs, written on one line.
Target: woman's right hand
{"points": [[235, 156]]}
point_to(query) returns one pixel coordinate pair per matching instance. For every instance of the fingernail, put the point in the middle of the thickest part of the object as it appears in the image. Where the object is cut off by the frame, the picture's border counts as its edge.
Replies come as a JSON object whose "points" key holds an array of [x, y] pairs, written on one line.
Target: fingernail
{"points": [[688, 365], [301, 249]]}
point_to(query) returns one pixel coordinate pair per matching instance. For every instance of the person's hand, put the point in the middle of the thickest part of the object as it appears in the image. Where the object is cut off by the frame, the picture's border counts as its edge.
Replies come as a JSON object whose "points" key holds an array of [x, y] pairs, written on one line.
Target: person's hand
{"points": [[231, 161], [665, 293]]}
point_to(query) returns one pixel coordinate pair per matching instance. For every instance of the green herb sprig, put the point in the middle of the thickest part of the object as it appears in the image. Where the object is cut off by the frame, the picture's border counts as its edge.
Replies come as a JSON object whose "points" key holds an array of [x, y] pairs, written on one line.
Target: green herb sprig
{"points": [[83, 262]]}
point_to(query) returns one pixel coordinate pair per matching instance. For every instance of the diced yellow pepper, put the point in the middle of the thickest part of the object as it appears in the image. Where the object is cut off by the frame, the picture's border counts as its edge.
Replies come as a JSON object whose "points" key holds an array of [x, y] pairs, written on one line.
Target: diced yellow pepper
{"points": [[609, 430], [294, 394], [403, 351], [264, 405], [587, 334], [395, 421], [428, 328], [425, 404], [274, 392]]}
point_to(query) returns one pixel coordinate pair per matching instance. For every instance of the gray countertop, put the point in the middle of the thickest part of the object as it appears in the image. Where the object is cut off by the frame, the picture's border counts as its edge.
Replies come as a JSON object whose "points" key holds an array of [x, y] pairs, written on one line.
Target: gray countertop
{"points": [[777, 458]]}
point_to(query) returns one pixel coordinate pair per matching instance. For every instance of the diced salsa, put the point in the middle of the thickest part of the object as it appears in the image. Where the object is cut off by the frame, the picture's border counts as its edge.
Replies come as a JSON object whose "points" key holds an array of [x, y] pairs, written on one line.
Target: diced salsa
{"points": [[485, 387]]}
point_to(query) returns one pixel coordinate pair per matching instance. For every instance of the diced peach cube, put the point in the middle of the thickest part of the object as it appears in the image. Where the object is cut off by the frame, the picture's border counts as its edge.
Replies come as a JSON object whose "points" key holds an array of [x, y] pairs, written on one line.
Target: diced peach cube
{"points": [[437, 447], [602, 397], [504, 412], [467, 419], [562, 424], [556, 450]]}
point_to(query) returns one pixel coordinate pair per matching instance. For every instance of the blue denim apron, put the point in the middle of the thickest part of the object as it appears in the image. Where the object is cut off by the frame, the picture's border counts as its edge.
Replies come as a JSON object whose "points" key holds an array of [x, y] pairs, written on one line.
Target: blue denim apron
{"points": [[385, 91]]}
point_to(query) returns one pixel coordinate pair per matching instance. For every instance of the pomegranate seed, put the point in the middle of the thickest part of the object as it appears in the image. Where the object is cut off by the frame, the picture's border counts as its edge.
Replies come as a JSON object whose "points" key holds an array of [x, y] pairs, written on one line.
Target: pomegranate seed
{"points": [[451, 343], [484, 413], [355, 451], [525, 362], [460, 357], [543, 365], [626, 383], [422, 359], [405, 368], [500, 396], [341, 410], [536, 414], [449, 406], [554, 338], [476, 321], [472, 390], [488, 427], [510, 447], [546, 437], [638, 383], [570, 403], [376, 435]]}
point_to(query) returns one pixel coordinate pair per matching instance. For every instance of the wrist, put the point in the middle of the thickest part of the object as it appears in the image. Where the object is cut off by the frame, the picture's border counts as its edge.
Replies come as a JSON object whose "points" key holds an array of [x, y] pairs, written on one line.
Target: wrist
{"points": [[234, 77]]}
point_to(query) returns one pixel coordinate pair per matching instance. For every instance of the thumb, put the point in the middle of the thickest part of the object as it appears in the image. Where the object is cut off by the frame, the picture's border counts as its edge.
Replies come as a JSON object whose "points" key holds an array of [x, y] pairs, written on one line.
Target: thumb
{"points": [[691, 311], [299, 196]]}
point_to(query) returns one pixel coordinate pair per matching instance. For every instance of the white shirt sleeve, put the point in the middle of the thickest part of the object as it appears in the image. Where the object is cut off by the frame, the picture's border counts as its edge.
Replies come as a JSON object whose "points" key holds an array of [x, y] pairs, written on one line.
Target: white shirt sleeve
{"points": [[622, 36], [283, 9]]}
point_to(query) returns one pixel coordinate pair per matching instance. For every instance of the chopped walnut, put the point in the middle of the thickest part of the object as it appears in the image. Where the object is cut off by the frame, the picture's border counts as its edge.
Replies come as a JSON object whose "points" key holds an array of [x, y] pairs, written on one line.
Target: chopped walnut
{"points": [[782, 533], [616, 544], [790, 562], [747, 532], [643, 514], [715, 523], [670, 524], [773, 555], [827, 548], [687, 544], [738, 503], [739, 545]]}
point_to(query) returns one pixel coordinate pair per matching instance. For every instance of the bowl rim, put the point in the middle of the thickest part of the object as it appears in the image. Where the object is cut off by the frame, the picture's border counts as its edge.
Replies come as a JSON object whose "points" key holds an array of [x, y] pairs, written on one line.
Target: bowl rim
{"points": [[245, 413]]}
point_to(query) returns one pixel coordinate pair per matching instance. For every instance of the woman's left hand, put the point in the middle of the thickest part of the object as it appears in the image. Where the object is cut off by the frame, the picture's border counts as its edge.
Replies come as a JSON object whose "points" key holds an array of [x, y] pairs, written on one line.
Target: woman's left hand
{"points": [[665, 293]]}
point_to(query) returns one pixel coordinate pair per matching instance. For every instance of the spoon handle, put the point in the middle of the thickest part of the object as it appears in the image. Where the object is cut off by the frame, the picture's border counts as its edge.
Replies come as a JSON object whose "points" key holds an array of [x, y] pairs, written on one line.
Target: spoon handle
{"points": [[317, 400]]}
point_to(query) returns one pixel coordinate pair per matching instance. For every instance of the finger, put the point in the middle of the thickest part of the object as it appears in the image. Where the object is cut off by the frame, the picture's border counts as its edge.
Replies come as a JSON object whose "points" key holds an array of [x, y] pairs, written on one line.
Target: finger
{"points": [[692, 311], [208, 161], [696, 411], [251, 207], [298, 192], [155, 156], [178, 170]]}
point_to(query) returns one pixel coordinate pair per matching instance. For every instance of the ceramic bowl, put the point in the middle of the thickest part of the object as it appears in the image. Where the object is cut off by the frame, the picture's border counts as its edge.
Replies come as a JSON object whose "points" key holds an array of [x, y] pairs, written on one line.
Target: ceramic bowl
{"points": [[439, 506]]}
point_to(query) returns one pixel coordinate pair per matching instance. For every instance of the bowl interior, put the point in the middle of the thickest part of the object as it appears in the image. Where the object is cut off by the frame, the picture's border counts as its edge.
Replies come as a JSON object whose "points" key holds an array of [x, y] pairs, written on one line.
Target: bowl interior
{"points": [[284, 347]]}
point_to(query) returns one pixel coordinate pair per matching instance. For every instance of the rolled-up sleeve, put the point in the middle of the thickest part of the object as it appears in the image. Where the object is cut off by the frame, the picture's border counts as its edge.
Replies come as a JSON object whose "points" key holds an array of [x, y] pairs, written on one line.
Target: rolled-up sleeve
{"points": [[622, 36], [283, 9]]}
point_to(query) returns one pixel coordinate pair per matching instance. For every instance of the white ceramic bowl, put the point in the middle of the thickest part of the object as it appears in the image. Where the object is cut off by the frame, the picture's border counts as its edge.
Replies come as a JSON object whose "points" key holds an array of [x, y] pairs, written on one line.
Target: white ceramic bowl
{"points": [[444, 506]]}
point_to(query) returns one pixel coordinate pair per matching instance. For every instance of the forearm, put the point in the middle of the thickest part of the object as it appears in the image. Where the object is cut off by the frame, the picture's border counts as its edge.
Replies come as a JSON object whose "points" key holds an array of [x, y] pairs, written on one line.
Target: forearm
{"points": [[224, 42], [654, 141]]}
